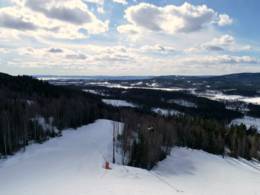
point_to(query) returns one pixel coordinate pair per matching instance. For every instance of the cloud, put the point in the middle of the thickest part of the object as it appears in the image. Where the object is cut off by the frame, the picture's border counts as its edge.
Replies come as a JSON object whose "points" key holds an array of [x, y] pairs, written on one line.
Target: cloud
{"points": [[218, 44], [51, 19], [224, 40], [128, 29], [172, 19], [224, 20], [76, 56], [120, 1], [55, 50], [115, 58], [223, 43], [158, 48], [39, 35], [77, 15], [99, 2], [219, 59], [119, 59], [213, 48], [228, 43], [100, 10], [18, 23]]}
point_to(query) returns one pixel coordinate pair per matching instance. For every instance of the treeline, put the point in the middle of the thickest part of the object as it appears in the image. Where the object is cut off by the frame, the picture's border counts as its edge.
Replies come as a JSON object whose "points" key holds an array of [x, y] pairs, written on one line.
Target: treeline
{"points": [[32, 110], [148, 139], [254, 110]]}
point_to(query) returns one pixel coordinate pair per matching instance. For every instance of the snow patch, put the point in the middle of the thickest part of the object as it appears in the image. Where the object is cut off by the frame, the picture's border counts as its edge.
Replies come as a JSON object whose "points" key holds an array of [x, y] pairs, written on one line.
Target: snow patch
{"points": [[46, 125], [248, 122], [252, 100], [94, 92], [184, 103], [119, 103], [110, 85], [219, 96], [165, 112]]}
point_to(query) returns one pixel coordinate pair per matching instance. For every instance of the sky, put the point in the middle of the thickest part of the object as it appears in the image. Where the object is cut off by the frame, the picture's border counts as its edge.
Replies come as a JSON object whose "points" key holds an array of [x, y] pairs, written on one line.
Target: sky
{"points": [[129, 37]]}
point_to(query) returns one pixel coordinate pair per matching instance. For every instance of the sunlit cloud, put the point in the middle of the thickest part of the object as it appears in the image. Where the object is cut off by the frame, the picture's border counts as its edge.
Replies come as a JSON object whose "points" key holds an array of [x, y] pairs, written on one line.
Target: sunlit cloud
{"points": [[89, 37]]}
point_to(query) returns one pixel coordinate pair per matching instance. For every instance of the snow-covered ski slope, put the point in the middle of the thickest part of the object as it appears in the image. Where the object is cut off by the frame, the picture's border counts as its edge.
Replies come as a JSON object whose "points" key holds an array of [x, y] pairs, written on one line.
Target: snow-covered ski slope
{"points": [[72, 165]]}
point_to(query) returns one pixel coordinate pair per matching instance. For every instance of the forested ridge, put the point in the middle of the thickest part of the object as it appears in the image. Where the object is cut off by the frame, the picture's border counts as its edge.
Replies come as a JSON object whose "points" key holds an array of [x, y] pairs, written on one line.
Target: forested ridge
{"points": [[149, 98]]}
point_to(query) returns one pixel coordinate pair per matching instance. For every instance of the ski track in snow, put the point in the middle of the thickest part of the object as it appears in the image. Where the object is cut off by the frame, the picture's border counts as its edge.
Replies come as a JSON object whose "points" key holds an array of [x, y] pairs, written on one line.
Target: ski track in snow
{"points": [[72, 165]]}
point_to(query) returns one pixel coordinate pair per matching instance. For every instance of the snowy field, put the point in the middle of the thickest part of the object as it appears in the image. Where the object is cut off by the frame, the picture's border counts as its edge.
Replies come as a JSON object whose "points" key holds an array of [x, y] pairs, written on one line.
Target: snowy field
{"points": [[183, 103], [72, 165], [118, 103], [253, 100], [219, 96], [93, 92], [136, 86]]}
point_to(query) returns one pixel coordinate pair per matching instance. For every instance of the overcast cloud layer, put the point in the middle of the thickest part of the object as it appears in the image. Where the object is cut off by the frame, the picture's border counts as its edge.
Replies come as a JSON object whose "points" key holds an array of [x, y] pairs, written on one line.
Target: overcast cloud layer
{"points": [[120, 37]]}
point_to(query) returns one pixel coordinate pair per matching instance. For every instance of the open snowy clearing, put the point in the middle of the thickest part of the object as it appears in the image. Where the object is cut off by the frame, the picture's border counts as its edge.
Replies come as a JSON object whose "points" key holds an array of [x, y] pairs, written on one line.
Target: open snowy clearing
{"points": [[165, 112], [248, 122], [219, 96], [135, 86], [119, 103], [72, 165]]}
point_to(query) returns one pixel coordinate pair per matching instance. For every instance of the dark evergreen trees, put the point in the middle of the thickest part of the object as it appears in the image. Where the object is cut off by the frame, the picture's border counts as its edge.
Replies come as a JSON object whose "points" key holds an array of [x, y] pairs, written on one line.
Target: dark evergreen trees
{"points": [[24, 101]]}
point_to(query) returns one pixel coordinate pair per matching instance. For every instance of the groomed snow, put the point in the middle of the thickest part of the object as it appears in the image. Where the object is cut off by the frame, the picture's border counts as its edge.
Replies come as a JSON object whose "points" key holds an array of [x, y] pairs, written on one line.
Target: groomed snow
{"points": [[199, 173], [72, 165], [118, 103]]}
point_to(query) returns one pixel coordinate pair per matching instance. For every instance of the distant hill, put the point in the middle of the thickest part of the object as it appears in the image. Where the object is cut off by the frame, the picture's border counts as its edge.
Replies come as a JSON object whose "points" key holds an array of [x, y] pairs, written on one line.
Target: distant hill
{"points": [[55, 77], [236, 76], [247, 84]]}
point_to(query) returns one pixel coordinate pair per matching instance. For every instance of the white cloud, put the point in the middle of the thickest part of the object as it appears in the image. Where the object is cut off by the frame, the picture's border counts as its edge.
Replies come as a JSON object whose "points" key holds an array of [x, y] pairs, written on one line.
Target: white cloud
{"points": [[100, 9], [129, 29], [74, 12], [219, 44], [224, 20], [100, 59], [78, 56], [120, 1], [62, 19], [224, 40], [158, 48], [100, 2], [223, 43], [219, 59], [172, 19]]}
